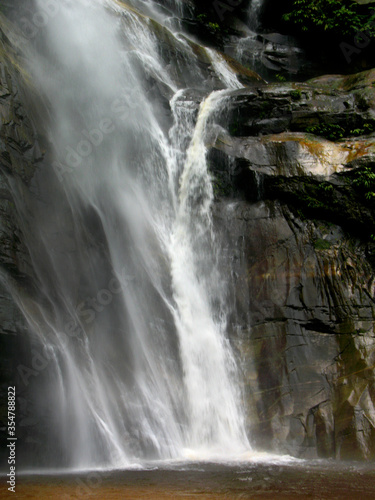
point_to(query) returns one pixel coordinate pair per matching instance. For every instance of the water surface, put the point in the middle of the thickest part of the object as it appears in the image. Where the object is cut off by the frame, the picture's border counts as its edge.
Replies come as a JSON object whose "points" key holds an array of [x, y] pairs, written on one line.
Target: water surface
{"points": [[283, 479]]}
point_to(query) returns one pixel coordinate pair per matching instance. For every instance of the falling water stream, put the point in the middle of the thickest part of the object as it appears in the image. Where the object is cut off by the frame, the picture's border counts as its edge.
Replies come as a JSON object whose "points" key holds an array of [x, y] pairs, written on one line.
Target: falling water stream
{"points": [[132, 311], [255, 9]]}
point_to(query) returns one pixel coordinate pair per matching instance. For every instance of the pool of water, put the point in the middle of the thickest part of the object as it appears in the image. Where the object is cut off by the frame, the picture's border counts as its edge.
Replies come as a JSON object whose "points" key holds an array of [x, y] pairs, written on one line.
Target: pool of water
{"points": [[279, 479]]}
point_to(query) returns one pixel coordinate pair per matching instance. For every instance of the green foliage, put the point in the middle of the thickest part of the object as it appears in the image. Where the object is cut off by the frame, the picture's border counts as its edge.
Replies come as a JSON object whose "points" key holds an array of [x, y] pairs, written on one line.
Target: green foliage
{"points": [[316, 200], [335, 132], [367, 128], [326, 187], [312, 202], [339, 17], [214, 27], [280, 78], [364, 182], [296, 95], [321, 244], [201, 18], [330, 131]]}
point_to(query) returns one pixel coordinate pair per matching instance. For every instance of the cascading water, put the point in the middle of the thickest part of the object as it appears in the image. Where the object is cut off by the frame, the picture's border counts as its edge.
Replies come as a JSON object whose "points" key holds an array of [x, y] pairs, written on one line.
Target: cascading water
{"points": [[200, 322], [221, 67], [249, 50], [132, 309], [255, 8]]}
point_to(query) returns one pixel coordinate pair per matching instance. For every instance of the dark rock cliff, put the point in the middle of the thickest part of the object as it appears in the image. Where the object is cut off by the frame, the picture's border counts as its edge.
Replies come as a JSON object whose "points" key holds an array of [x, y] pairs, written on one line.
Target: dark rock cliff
{"points": [[304, 292], [302, 261], [23, 147]]}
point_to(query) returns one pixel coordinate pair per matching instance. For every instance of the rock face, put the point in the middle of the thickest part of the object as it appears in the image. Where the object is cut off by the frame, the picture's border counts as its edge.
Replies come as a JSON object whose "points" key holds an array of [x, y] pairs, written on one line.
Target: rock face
{"points": [[302, 264], [298, 222], [20, 153], [272, 54], [305, 314]]}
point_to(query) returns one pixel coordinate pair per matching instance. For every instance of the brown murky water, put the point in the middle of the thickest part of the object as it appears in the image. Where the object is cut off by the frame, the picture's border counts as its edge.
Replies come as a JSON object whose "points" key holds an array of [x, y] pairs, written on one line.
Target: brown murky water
{"points": [[318, 480]]}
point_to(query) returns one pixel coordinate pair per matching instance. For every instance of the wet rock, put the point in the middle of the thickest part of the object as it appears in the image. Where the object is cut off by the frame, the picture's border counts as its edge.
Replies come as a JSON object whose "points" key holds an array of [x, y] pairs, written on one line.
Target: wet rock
{"points": [[21, 153], [272, 55], [302, 267], [271, 109], [304, 331]]}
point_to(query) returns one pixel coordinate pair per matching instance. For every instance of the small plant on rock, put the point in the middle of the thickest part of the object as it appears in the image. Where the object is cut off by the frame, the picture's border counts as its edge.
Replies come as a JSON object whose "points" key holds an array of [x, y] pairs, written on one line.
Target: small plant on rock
{"points": [[296, 95]]}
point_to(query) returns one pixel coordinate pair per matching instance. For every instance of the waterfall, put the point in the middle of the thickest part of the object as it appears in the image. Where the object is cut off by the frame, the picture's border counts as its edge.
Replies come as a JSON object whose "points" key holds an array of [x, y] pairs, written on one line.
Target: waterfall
{"points": [[222, 68], [132, 306], [254, 12], [201, 304]]}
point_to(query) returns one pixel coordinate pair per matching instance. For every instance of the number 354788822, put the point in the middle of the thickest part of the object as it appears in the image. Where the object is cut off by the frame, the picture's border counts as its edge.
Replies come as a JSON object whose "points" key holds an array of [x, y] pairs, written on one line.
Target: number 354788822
{"points": [[11, 410]]}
